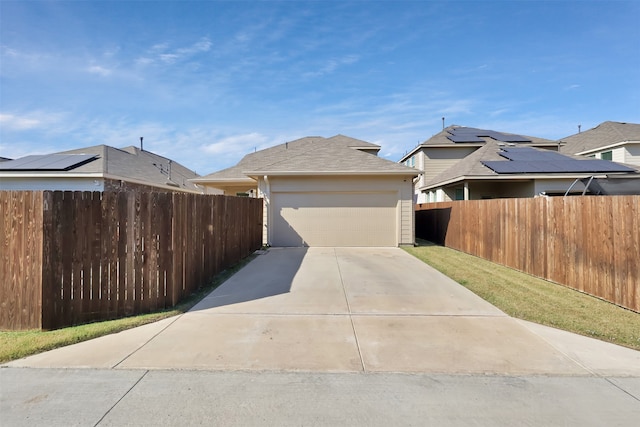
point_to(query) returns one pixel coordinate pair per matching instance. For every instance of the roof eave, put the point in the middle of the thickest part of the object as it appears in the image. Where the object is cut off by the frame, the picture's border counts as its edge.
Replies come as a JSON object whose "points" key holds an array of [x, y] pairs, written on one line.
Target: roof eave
{"points": [[606, 147], [31, 174], [225, 181], [332, 173]]}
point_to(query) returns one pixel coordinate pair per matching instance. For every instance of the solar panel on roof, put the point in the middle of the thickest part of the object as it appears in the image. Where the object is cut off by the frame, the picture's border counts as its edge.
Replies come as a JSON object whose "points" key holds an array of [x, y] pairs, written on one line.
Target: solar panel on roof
{"points": [[48, 162], [526, 153], [464, 134], [464, 138], [566, 165]]}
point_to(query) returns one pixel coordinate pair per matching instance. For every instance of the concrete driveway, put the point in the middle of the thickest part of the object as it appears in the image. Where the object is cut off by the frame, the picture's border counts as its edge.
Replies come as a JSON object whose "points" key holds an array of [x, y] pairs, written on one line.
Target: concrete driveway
{"points": [[346, 310]]}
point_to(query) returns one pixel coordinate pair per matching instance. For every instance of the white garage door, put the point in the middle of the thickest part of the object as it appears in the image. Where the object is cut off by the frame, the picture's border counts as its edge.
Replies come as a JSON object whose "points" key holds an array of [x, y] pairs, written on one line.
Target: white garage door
{"points": [[334, 219]]}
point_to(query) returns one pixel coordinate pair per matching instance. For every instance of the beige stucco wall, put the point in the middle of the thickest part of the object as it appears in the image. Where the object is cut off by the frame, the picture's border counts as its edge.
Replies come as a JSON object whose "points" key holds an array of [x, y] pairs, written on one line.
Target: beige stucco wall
{"points": [[402, 186]]}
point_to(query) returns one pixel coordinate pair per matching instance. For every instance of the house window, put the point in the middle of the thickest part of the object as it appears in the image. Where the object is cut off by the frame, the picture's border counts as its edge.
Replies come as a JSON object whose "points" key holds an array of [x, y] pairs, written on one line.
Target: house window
{"points": [[459, 193], [411, 161], [606, 155]]}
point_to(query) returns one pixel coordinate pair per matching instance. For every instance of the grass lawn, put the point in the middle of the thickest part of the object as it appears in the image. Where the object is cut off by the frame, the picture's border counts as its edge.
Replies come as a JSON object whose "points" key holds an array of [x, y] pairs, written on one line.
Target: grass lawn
{"points": [[18, 344], [526, 297]]}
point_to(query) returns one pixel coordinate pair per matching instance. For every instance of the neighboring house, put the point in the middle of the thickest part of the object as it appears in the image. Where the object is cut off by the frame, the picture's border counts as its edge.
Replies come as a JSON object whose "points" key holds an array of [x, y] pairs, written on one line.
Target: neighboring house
{"points": [[325, 192], [449, 147], [619, 142], [97, 168], [502, 170]]}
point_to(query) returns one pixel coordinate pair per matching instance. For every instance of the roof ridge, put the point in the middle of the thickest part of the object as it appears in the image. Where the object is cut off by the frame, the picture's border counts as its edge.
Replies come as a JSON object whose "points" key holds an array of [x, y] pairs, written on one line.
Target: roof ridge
{"points": [[616, 130]]}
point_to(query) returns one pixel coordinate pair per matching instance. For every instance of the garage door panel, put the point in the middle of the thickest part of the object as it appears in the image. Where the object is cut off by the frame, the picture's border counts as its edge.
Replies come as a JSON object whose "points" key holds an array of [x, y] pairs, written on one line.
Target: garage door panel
{"points": [[334, 219]]}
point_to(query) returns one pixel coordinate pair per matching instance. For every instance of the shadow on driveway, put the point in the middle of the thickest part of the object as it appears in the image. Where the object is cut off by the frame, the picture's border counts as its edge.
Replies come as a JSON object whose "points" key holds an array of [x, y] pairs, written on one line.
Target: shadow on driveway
{"points": [[251, 283]]}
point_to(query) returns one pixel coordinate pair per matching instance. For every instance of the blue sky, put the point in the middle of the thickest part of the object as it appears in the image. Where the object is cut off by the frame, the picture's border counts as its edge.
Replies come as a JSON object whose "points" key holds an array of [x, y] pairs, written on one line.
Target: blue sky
{"points": [[206, 82]]}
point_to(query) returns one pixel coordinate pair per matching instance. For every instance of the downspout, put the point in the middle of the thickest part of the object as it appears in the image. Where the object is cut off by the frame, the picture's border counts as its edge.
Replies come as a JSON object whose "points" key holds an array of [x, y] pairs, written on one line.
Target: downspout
{"points": [[267, 206]]}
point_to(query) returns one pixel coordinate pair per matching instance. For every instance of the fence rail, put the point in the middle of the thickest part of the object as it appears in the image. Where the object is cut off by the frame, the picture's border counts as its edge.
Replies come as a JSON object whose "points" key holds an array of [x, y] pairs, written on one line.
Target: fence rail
{"points": [[591, 244], [74, 257]]}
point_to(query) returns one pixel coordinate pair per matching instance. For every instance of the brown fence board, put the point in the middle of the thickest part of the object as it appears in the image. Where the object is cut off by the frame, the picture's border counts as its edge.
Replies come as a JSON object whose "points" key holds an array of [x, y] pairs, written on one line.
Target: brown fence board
{"points": [[591, 244], [71, 257], [20, 259]]}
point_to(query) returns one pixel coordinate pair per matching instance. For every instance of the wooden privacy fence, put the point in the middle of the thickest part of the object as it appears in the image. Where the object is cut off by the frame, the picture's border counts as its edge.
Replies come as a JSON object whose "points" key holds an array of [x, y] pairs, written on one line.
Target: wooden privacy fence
{"points": [[73, 257], [587, 243]]}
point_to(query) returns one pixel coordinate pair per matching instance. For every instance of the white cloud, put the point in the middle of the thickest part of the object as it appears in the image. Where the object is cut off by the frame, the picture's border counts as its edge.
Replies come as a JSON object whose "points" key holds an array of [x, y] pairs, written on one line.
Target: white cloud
{"points": [[498, 112], [10, 121], [97, 69], [332, 65], [169, 58], [462, 106], [161, 52], [236, 144], [30, 121]]}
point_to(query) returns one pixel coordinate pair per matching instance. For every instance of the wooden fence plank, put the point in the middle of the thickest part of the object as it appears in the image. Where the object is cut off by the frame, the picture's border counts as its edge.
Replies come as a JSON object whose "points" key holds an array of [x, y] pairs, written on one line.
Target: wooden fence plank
{"points": [[591, 244], [48, 277], [77, 256], [96, 242], [123, 256], [144, 251]]}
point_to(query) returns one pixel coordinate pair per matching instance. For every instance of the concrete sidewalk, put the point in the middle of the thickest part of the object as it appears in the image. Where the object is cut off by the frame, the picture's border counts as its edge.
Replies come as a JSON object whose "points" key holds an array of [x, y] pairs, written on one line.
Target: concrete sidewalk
{"points": [[118, 397]]}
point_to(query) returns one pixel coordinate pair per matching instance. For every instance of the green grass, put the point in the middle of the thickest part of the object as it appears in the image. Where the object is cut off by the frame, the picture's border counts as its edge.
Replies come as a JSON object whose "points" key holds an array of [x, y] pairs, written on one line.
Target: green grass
{"points": [[18, 344], [536, 300]]}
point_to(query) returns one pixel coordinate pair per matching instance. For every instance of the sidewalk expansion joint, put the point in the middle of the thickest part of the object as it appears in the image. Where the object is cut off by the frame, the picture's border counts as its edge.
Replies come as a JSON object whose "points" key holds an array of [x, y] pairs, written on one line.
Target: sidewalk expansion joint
{"points": [[621, 389], [121, 397], [147, 342], [353, 326]]}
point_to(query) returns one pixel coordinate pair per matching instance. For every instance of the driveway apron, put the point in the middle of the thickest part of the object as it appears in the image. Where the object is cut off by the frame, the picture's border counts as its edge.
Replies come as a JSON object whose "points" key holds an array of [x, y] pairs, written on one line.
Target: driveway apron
{"points": [[346, 310]]}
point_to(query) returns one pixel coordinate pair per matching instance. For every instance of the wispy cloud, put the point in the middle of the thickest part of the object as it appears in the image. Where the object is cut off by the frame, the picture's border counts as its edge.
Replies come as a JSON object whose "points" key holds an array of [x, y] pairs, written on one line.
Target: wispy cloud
{"points": [[161, 52], [9, 121], [29, 121], [332, 65], [235, 143], [97, 69]]}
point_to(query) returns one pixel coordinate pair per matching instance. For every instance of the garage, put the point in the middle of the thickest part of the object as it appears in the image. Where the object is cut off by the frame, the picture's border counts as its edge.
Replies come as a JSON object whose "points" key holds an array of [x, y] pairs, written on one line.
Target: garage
{"points": [[325, 192], [335, 218]]}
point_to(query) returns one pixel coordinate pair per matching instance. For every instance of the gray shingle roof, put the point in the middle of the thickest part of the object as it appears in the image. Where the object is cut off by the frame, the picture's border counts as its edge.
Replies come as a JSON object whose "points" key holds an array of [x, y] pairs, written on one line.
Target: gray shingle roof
{"points": [[605, 134], [330, 159], [471, 166], [441, 139], [130, 164], [312, 154]]}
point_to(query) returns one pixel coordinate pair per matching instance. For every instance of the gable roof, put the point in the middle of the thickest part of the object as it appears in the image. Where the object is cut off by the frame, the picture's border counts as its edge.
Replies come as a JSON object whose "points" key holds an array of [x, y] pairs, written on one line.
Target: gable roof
{"points": [[127, 164], [604, 135], [339, 154], [328, 159], [463, 136], [473, 166]]}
